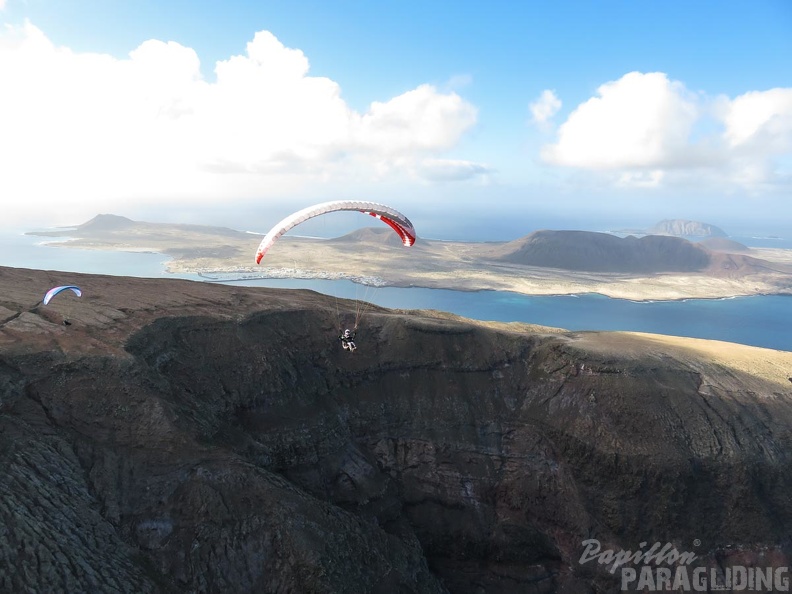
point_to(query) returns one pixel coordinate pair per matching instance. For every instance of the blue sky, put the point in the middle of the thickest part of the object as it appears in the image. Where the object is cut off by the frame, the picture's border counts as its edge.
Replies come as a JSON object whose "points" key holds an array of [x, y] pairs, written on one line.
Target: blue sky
{"points": [[574, 114]]}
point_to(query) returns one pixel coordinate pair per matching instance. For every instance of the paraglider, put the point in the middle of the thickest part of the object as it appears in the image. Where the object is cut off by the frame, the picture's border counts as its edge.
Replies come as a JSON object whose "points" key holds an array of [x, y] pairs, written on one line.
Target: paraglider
{"points": [[348, 341], [55, 290], [390, 216]]}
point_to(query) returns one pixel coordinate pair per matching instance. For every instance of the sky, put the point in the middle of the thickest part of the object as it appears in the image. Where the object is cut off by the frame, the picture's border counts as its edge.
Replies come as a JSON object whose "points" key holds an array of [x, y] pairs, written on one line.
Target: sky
{"points": [[478, 120]]}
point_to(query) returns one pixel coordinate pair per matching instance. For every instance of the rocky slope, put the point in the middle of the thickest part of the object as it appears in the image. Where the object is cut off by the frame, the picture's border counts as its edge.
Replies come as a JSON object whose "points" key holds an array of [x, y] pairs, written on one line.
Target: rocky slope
{"points": [[589, 252], [601, 252], [185, 437]]}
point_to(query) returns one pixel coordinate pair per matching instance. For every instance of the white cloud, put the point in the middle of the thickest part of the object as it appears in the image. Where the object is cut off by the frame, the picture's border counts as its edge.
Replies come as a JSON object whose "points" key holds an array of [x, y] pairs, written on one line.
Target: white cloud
{"points": [[458, 81], [83, 131], [545, 107], [451, 170], [419, 120], [640, 120], [643, 130], [761, 121]]}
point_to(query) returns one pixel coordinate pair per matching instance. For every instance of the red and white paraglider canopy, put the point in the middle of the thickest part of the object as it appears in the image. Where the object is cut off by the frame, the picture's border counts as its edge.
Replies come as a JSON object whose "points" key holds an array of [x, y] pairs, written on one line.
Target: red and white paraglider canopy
{"points": [[390, 216]]}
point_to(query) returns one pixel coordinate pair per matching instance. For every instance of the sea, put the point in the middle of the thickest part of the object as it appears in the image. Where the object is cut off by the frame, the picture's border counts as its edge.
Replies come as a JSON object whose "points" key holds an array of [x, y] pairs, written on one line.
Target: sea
{"points": [[762, 320]]}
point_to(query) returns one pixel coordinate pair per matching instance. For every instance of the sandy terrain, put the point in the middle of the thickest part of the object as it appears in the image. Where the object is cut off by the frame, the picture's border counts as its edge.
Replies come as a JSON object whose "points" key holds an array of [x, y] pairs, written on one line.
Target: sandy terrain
{"points": [[716, 361]]}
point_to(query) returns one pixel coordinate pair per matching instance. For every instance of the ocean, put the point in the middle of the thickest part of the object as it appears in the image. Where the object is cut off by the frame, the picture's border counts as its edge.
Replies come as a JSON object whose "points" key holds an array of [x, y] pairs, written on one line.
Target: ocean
{"points": [[764, 320]]}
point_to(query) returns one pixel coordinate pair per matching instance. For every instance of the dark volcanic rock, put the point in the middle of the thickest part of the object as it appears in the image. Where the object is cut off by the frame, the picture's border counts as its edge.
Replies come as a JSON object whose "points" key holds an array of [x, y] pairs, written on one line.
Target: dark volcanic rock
{"points": [[601, 252], [187, 437]]}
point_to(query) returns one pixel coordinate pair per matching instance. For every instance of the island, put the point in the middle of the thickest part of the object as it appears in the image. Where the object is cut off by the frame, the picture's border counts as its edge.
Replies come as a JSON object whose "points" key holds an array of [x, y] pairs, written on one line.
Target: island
{"points": [[544, 262]]}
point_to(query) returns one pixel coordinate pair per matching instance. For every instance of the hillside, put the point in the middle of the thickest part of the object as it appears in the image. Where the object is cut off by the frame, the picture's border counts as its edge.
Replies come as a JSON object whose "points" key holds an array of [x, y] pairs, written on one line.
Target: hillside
{"points": [[377, 236], [588, 252], [721, 244], [602, 252], [180, 437]]}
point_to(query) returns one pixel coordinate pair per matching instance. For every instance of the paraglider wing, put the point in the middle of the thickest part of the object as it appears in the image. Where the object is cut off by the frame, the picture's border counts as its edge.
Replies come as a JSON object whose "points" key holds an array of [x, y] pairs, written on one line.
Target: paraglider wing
{"points": [[407, 234], [55, 290], [390, 216]]}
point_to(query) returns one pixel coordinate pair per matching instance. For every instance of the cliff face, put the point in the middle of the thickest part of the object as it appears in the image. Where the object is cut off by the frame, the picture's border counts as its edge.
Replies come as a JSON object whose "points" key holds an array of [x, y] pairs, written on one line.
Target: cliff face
{"points": [[685, 228], [180, 436]]}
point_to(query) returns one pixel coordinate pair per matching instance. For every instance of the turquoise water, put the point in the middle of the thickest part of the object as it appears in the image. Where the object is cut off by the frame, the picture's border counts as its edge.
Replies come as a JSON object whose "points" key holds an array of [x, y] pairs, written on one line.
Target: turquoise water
{"points": [[760, 320], [26, 251], [763, 320]]}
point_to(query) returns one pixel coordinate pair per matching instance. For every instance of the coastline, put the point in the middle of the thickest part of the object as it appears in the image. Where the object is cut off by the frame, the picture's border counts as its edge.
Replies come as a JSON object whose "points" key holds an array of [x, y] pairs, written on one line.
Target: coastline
{"points": [[432, 265], [666, 287], [320, 277]]}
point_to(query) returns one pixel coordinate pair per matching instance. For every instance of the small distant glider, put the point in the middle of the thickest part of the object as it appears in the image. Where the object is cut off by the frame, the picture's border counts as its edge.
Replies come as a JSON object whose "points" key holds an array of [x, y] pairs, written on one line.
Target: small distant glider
{"points": [[55, 290]]}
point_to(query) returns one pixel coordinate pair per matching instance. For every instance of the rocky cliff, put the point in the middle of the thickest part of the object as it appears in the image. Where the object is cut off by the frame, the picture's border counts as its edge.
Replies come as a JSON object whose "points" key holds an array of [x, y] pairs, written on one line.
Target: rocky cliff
{"points": [[184, 437], [685, 228]]}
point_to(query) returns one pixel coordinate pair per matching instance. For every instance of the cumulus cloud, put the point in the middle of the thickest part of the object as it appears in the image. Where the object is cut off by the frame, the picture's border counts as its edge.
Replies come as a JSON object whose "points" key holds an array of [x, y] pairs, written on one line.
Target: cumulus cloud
{"points": [[84, 128], [643, 130], [759, 121], [419, 120], [641, 120], [545, 107]]}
